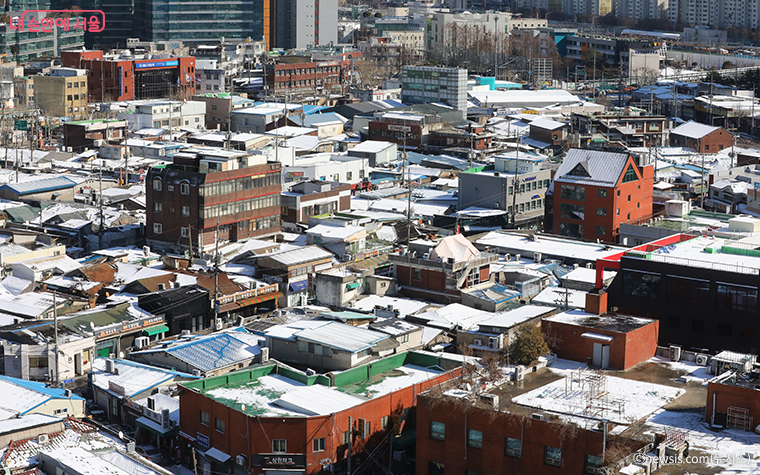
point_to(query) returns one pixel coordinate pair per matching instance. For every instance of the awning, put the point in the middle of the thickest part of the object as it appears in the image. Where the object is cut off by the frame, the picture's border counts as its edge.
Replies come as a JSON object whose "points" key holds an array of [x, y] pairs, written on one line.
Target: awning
{"points": [[597, 336], [372, 262], [259, 299], [156, 330], [299, 286], [217, 455], [185, 435], [153, 426], [385, 345], [353, 285]]}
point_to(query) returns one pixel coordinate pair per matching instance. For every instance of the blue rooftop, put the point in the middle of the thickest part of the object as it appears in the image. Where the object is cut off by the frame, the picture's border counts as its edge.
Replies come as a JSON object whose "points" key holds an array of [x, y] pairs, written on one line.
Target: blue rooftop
{"points": [[42, 388]]}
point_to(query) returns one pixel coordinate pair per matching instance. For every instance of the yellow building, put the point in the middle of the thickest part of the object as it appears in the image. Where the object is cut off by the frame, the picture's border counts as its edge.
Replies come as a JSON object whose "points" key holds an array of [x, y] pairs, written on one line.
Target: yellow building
{"points": [[62, 93]]}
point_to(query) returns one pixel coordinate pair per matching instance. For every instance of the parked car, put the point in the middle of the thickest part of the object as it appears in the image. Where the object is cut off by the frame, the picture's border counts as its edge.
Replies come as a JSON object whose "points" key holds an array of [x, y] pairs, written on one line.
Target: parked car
{"points": [[151, 453]]}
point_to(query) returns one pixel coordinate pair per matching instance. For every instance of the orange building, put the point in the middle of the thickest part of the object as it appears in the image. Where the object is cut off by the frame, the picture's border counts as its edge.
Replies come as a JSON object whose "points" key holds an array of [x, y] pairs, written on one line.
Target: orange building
{"points": [[595, 191]]}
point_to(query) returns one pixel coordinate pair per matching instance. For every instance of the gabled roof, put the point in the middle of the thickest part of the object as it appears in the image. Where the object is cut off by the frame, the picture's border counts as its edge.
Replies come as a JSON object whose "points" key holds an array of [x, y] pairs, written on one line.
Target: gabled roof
{"points": [[342, 336], [40, 185], [547, 124], [693, 130], [213, 351], [134, 378], [21, 396], [592, 167]]}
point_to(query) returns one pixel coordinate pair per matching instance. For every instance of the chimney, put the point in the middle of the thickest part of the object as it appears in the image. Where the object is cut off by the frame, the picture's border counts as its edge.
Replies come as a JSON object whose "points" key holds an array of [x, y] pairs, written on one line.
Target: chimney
{"points": [[596, 301]]}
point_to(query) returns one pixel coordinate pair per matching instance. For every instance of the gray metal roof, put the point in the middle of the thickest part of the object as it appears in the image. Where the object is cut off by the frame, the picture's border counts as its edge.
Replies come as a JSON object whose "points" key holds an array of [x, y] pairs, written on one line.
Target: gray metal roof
{"points": [[341, 336], [602, 168], [693, 130], [298, 256]]}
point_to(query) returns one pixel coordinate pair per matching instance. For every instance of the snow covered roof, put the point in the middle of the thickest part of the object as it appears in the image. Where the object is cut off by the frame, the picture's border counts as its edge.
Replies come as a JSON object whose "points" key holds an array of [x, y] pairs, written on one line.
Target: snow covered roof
{"points": [[453, 315], [403, 306], [558, 297], [547, 124], [40, 185], [591, 167], [133, 378], [693, 130], [301, 255], [22, 397], [515, 317], [342, 336], [28, 305], [213, 351]]}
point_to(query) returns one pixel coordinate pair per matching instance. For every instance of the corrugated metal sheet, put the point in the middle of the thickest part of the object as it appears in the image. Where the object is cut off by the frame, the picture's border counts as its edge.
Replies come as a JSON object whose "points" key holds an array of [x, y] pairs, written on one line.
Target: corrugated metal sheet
{"points": [[604, 168], [693, 130], [217, 351], [38, 186], [342, 336]]}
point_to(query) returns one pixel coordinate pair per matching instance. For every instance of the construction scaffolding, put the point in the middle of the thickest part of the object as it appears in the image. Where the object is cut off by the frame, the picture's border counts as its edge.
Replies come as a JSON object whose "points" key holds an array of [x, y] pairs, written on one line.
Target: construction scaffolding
{"points": [[674, 437], [598, 404]]}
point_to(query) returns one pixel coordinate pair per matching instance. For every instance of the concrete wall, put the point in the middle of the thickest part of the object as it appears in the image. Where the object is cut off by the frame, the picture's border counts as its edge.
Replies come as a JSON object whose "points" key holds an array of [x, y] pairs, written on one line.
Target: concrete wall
{"points": [[284, 350]]}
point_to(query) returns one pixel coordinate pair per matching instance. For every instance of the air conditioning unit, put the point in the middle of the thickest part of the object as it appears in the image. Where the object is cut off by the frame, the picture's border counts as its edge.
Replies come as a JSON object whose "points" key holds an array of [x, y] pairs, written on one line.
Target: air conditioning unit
{"points": [[43, 439], [491, 400], [142, 342], [478, 342], [197, 373], [219, 324], [493, 343], [519, 373], [310, 372], [537, 416], [537, 257], [702, 360], [116, 371], [240, 460], [186, 333], [675, 353], [517, 257], [109, 366], [588, 266]]}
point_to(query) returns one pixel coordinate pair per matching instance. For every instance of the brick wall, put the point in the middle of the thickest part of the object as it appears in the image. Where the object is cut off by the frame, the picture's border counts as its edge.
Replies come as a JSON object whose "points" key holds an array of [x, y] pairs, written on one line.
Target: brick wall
{"points": [[728, 395]]}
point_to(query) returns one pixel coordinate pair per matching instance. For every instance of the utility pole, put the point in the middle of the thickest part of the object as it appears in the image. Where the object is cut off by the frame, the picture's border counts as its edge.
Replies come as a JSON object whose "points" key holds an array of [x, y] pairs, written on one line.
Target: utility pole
{"points": [[216, 271], [702, 185], [350, 443], [190, 240], [55, 324], [100, 207], [495, 44]]}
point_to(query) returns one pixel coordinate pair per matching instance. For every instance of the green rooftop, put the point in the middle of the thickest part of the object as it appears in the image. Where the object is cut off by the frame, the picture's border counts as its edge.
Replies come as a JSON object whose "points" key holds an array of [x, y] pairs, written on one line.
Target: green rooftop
{"points": [[278, 390]]}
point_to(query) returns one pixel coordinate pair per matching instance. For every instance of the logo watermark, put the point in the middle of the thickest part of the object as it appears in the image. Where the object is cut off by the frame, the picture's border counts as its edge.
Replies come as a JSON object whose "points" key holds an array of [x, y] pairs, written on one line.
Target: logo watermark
{"points": [[28, 21], [720, 460]]}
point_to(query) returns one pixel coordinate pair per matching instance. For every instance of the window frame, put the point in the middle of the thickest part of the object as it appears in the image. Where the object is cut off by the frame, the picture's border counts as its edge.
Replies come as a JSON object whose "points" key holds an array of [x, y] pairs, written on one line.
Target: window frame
{"points": [[550, 456], [205, 420], [219, 425], [512, 452], [319, 445], [435, 434], [279, 442], [474, 442]]}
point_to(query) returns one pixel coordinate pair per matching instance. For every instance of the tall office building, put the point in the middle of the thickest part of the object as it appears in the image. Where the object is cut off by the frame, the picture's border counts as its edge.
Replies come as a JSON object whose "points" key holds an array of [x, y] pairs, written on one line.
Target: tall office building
{"points": [[119, 25], [301, 23], [202, 21], [426, 84]]}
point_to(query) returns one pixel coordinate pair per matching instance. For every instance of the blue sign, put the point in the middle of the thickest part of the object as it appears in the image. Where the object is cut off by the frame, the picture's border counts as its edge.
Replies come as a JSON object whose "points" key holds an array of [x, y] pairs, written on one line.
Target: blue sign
{"points": [[157, 64], [121, 83], [202, 440], [757, 185], [67, 381]]}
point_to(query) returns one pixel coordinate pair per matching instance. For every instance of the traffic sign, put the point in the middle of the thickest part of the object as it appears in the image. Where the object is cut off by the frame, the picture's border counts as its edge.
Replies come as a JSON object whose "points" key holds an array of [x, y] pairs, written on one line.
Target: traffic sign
{"points": [[20, 125]]}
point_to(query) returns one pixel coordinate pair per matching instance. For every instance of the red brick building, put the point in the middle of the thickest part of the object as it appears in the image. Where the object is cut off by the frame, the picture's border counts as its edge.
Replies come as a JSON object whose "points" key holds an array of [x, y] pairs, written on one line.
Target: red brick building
{"points": [[303, 76], [438, 271], [110, 79], [701, 138], [594, 192], [455, 436], [305, 426], [604, 341], [210, 195], [735, 396]]}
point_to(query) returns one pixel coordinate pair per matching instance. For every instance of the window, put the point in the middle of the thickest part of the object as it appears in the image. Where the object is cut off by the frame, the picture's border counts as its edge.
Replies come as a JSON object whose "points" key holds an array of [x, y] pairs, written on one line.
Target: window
{"points": [[640, 284], [184, 188], [601, 211], [697, 325], [571, 192], [219, 425], [736, 297], [346, 437], [630, 175], [58, 412], [568, 211], [593, 464], [185, 231], [629, 198], [571, 229], [747, 332], [513, 447], [185, 210], [437, 430], [475, 439], [279, 446], [158, 207], [68, 85], [384, 422], [158, 228], [157, 184], [363, 428], [673, 321], [435, 468], [349, 176], [601, 230], [38, 361], [417, 274], [553, 456], [600, 193], [725, 329], [618, 212], [687, 290], [318, 445], [205, 418]]}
